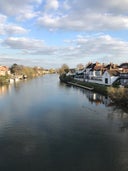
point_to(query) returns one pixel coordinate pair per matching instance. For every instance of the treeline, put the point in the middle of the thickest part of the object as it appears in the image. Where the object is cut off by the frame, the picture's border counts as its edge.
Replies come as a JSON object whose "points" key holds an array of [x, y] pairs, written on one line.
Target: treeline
{"points": [[25, 70]]}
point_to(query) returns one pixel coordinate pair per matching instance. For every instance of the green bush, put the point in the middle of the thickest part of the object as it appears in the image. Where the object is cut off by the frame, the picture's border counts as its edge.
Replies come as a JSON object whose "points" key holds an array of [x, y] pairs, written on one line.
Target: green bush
{"points": [[4, 79], [119, 95]]}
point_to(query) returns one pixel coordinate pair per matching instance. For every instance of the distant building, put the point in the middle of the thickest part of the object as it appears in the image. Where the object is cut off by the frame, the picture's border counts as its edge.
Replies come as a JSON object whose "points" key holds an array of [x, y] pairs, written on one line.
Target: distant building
{"points": [[4, 70]]}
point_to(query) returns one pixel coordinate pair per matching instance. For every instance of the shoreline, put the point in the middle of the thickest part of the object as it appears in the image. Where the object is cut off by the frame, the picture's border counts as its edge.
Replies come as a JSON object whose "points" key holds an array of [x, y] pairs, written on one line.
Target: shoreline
{"points": [[119, 96], [78, 85]]}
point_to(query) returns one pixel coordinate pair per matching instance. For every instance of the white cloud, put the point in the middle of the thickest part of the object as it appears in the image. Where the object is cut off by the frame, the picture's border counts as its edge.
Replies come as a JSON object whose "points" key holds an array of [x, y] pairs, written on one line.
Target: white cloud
{"points": [[10, 29], [2, 22], [100, 45], [13, 29], [82, 46], [87, 22], [109, 6], [52, 4], [102, 48], [26, 14], [49, 21], [23, 9], [87, 15], [94, 47], [65, 16], [28, 46], [23, 43]]}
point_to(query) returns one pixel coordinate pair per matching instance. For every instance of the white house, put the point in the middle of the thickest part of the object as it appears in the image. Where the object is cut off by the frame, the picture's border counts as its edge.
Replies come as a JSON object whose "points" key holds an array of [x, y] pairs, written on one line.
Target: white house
{"points": [[109, 77], [99, 73]]}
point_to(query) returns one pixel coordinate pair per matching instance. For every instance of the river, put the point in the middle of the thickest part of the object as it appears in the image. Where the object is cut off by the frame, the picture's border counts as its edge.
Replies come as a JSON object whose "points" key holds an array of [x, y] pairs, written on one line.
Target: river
{"points": [[48, 126]]}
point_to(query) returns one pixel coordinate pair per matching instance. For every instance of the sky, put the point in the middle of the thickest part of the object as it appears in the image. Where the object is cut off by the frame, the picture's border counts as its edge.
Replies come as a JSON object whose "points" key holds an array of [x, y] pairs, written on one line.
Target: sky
{"points": [[50, 33]]}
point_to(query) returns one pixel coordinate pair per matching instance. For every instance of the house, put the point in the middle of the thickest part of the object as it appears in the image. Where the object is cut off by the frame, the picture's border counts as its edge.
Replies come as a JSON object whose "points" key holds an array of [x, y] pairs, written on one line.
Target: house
{"points": [[110, 76], [4, 70], [104, 74], [94, 72], [80, 74], [124, 77], [72, 72]]}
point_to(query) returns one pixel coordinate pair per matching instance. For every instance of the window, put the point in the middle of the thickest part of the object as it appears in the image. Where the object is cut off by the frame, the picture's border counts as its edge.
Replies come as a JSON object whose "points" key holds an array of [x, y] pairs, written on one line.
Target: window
{"points": [[106, 80]]}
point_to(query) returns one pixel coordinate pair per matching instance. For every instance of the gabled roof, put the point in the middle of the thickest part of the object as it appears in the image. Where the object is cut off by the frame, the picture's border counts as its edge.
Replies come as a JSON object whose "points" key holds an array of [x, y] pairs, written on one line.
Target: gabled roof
{"points": [[111, 66], [90, 65], [124, 65], [113, 72]]}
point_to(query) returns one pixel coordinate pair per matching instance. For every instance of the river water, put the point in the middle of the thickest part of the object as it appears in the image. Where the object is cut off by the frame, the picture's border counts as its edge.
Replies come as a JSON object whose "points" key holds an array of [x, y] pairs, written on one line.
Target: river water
{"points": [[48, 126]]}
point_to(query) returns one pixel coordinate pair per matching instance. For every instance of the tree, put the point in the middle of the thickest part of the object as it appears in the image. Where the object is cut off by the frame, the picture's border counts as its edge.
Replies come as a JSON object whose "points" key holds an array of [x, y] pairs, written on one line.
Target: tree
{"points": [[64, 69], [80, 66], [16, 69]]}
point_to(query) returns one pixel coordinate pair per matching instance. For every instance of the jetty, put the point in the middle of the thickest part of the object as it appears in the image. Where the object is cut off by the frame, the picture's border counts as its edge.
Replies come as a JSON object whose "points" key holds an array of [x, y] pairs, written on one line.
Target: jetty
{"points": [[81, 86]]}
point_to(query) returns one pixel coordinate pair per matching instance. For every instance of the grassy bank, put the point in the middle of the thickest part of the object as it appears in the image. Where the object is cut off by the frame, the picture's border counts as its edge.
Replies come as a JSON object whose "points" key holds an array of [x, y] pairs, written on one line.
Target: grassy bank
{"points": [[118, 95], [96, 87]]}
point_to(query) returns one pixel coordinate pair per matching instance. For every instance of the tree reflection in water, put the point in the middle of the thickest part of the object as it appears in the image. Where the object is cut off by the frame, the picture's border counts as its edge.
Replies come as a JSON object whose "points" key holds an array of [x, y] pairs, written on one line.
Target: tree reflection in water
{"points": [[117, 111]]}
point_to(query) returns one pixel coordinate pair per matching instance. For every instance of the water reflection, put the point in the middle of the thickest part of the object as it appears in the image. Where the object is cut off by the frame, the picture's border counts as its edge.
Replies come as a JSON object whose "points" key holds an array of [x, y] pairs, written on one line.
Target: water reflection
{"points": [[48, 126], [115, 113], [98, 98], [95, 98], [4, 89]]}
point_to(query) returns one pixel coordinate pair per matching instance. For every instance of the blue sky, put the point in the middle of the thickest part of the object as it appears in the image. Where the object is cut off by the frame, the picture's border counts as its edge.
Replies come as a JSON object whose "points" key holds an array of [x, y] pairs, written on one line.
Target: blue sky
{"points": [[50, 33]]}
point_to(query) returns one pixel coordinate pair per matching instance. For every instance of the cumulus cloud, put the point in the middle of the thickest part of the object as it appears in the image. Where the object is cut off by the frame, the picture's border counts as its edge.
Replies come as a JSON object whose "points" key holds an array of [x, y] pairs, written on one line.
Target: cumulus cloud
{"points": [[29, 46], [23, 43], [82, 46], [83, 16], [109, 6], [87, 22], [52, 4], [2, 22], [13, 29], [20, 9], [87, 15], [10, 29], [99, 45]]}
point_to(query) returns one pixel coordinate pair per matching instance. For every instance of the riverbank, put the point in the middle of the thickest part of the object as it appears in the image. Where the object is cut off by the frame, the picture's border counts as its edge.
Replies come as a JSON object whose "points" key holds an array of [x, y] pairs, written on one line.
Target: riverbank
{"points": [[118, 95], [81, 86], [87, 85]]}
